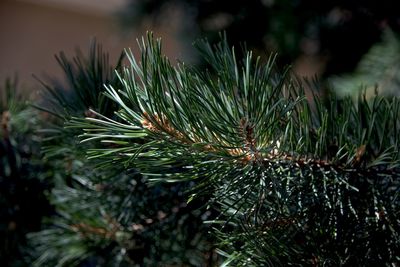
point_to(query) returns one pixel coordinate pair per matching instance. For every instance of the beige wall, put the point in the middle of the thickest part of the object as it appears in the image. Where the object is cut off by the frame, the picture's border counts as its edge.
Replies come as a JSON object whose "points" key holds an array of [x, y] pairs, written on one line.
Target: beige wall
{"points": [[30, 35]]}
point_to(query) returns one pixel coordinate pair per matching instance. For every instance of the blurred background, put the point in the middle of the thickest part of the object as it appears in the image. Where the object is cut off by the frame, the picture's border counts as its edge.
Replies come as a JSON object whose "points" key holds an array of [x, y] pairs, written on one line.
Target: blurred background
{"points": [[33, 31], [329, 39]]}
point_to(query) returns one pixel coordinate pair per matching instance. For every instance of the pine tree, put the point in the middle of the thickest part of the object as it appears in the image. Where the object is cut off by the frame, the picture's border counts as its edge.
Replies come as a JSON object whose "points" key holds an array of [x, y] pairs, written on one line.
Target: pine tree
{"points": [[294, 181]]}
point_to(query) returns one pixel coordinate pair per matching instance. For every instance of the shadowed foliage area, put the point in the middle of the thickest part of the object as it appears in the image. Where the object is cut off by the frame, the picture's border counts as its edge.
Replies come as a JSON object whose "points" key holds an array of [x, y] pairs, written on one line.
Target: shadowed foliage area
{"points": [[24, 177]]}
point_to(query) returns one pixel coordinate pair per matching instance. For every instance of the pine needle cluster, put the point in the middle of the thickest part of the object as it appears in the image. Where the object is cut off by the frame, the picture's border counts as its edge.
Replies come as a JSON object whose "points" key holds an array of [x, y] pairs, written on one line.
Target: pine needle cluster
{"points": [[294, 181], [106, 216]]}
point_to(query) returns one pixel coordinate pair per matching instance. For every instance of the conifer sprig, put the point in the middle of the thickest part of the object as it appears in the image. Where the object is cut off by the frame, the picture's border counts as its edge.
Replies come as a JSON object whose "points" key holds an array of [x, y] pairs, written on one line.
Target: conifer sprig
{"points": [[108, 216], [243, 112], [300, 174]]}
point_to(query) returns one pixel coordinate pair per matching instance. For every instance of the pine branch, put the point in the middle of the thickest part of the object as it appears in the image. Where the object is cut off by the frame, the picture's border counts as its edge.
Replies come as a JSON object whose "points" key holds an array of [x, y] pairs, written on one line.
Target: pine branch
{"points": [[108, 215], [246, 134], [220, 116]]}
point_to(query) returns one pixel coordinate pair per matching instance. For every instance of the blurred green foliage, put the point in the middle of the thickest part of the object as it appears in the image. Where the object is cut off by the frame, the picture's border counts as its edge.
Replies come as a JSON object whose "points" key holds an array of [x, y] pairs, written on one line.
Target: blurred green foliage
{"points": [[378, 70], [24, 176], [338, 33]]}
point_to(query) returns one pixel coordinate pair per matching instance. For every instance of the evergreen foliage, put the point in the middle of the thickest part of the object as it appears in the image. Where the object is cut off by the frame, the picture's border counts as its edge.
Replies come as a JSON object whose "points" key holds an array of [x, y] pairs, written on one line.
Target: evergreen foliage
{"points": [[107, 216], [24, 177], [176, 152], [295, 181], [378, 69]]}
